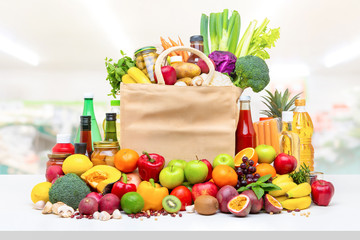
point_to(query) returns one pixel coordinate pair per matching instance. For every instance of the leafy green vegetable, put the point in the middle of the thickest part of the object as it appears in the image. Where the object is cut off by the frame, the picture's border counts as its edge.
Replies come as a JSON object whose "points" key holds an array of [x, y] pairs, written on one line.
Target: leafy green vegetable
{"points": [[302, 175], [260, 187], [204, 32], [117, 70], [251, 71]]}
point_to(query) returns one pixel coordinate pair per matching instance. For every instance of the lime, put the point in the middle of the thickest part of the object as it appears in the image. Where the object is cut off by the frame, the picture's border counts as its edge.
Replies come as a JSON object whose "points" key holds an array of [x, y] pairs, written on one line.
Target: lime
{"points": [[132, 202], [76, 163], [40, 192]]}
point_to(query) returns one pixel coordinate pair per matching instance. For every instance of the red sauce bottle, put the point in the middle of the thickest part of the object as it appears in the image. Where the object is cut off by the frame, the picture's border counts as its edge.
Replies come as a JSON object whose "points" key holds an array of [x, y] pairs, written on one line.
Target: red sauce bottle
{"points": [[63, 144], [245, 133], [85, 134]]}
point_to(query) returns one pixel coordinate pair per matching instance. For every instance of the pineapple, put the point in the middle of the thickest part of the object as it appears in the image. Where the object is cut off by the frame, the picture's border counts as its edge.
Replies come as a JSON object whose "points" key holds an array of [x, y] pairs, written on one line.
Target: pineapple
{"points": [[278, 102]]}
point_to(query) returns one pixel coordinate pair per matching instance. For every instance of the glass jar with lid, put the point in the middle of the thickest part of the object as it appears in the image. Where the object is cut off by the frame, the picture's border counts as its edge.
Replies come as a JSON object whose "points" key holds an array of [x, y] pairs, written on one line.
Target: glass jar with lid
{"points": [[56, 159], [145, 59], [104, 153]]}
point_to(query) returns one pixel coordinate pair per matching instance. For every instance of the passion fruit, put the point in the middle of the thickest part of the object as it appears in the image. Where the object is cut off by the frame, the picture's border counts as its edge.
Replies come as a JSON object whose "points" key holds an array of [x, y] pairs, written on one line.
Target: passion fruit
{"points": [[240, 205], [256, 204], [272, 205]]}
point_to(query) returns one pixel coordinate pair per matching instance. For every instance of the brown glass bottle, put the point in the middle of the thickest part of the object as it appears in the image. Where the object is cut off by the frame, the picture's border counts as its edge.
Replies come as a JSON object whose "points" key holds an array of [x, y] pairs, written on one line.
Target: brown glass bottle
{"points": [[85, 133], [196, 42]]}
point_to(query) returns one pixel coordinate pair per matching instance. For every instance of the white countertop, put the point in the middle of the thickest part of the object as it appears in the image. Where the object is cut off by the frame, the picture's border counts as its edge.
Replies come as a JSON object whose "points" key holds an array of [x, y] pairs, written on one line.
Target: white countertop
{"points": [[17, 213]]}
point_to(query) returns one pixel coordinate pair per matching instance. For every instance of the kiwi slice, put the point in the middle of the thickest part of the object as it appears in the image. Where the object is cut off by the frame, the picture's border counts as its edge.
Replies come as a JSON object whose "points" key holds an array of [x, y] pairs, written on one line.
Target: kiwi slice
{"points": [[171, 204]]}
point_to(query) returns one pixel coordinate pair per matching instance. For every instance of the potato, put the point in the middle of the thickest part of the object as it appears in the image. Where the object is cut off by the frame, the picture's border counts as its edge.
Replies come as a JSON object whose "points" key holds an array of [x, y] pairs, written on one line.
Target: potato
{"points": [[184, 70]]}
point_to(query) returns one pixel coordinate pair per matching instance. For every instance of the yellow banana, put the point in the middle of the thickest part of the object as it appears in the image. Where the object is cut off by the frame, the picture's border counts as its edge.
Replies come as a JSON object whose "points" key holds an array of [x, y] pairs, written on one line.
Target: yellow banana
{"points": [[281, 199], [297, 203], [138, 75], [300, 190], [282, 178], [285, 187], [127, 79]]}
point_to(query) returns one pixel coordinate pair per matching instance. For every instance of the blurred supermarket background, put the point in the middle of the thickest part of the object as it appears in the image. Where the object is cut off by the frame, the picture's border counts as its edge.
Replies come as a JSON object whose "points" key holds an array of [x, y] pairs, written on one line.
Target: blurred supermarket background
{"points": [[51, 52]]}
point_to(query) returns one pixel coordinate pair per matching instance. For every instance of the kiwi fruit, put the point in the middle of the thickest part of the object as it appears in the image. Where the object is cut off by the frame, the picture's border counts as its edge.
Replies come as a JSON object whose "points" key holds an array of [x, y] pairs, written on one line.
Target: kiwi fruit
{"points": [[171, 204], [206, 205]]}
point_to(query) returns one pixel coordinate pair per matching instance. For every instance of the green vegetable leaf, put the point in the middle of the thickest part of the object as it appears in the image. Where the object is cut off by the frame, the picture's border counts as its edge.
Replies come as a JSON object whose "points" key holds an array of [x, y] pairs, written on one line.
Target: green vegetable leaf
{"points": [[242, 189], [264, 178], [259, 192]]}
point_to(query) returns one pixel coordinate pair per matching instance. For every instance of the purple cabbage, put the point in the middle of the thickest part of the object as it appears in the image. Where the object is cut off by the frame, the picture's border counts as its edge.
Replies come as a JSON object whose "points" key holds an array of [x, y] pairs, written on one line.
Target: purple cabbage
{"points": [[224, 61]]}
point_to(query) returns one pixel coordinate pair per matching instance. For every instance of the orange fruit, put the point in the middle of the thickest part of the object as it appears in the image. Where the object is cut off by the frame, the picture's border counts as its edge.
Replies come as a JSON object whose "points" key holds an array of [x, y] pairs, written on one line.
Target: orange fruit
{"points": [[125, 160], [250, 153], [264, 169], [224, 175]]}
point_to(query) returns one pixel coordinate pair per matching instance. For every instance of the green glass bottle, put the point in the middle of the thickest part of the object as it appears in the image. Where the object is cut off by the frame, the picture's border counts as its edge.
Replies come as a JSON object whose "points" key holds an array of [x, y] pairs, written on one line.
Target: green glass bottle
{"points": [[110, 129], [89, 111]]}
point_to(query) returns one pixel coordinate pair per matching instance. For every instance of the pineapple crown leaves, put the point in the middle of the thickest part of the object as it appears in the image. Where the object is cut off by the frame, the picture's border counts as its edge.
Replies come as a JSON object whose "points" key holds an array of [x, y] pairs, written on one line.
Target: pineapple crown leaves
{"points": [[278, 102]]}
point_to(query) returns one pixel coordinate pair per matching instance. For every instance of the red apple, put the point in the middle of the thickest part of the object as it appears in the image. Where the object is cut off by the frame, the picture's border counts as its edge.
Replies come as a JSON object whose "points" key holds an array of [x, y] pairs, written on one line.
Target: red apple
{"points": [[208, 164], [169, 75], [133, 178], [203, 66], [284, 163], [322, 192], [206, 188]]}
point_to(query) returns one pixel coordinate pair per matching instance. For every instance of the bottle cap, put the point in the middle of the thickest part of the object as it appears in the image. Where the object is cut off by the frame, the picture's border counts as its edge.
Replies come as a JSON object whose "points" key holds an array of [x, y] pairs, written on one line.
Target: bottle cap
{"points": [[300, 102], [115, 103], [196, 38], [176, 59], [63, 138], [110, 116], [89, 95], [287, 116], [245, 98], [80, 148]]}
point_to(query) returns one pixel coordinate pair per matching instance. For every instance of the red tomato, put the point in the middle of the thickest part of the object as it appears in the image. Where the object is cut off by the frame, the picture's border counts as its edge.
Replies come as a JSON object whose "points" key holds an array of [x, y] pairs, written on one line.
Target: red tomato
{"points": [[184, 195]]}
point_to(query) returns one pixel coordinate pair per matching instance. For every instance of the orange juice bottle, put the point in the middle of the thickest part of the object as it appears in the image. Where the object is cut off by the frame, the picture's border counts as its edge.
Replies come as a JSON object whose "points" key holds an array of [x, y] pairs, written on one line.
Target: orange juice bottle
{"points": [[303, 126]]}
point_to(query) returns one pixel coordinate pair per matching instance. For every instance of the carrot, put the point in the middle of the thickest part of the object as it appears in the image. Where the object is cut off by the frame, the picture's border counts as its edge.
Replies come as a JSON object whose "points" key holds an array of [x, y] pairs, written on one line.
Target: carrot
{"points": [[166, 45], [174, 44], [274, 135], [261, 133], [186, 54], [267, 133]]}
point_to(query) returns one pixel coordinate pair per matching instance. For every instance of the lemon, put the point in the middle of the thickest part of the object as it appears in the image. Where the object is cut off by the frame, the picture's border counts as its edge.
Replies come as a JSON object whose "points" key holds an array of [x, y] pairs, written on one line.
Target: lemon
{"points": [[40, 192], [76, 163]]}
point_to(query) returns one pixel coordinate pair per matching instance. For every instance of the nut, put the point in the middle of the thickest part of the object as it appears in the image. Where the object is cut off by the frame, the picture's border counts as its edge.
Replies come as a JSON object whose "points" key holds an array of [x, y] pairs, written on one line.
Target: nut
{"points": [[47, 208], [104, 216], [65, 211], [55, 207], [190, 209], [39, 205], [116, 214]]}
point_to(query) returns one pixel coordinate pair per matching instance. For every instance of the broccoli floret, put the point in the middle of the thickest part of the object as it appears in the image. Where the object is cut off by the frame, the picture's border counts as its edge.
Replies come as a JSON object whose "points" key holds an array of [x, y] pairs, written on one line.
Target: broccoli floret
{"points": [[251, 71], [69, 189]]}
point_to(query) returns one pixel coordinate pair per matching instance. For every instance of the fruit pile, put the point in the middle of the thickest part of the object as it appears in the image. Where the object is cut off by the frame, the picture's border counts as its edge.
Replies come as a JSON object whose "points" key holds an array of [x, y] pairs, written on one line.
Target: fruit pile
{"points": [[142, 186]]}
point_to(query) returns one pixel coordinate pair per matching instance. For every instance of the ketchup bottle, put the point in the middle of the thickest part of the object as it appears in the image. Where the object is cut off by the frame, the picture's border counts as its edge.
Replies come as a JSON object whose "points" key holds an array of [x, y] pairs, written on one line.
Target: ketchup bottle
{"points": [[63, 144], [245, 133]]}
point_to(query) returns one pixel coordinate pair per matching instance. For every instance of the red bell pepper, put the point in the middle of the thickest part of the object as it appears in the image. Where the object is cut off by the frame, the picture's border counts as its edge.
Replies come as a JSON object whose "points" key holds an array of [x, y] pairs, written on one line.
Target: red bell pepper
{"points": [[150, 165], [120, 188]]}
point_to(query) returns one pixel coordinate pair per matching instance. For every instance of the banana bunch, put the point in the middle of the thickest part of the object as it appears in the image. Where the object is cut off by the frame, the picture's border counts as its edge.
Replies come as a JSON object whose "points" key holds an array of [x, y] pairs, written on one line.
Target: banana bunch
{"points": [[291, 196]]}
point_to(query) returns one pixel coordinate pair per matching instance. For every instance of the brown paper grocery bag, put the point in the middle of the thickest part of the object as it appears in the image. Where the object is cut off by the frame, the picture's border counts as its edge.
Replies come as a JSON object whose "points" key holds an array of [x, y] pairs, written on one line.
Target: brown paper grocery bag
{"points": [[179, 122]]}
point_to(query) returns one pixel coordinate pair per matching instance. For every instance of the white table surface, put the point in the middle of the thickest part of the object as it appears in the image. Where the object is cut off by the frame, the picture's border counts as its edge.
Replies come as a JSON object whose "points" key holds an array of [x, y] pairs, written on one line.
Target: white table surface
{"points": [[17, 213]]}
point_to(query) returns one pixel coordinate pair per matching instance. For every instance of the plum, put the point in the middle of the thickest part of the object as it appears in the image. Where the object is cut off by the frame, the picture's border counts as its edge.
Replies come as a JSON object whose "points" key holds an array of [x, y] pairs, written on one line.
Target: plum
{"points": [[88, 206], [256, 204], [109, 203], [224, 195]]}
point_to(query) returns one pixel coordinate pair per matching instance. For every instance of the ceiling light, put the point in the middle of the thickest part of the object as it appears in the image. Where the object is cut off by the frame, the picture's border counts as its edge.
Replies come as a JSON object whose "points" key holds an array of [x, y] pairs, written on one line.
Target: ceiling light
{"points": [[343, 54], [18, 51]]}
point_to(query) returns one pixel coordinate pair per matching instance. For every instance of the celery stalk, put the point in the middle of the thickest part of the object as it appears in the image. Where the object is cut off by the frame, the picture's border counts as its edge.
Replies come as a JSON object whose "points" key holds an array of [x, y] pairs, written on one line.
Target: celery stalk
{"points": [[243, 46], [204, 32], [212, 28]]}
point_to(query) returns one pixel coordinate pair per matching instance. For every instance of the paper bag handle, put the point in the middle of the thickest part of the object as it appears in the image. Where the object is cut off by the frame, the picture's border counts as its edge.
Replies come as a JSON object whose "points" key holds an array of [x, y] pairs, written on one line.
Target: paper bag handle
{"points": [[164, 54]]}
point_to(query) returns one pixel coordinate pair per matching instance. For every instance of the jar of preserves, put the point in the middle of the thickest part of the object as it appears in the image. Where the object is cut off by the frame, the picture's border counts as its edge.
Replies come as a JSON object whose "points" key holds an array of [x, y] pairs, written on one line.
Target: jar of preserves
{"points": [[145, 59], [56, 159], [104, 153]]}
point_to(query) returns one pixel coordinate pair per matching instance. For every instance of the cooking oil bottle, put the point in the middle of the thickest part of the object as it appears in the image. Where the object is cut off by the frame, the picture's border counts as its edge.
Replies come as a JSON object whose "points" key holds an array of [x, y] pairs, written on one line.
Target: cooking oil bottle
{"points": [[289, 140], [303, 126], [115, 108]]}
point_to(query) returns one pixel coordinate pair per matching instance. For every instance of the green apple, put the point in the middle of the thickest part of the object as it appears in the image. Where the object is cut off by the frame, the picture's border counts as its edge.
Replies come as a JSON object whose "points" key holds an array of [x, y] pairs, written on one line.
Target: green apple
{"points": [[224, 159], [266, 153], [177, 163], [171, 177], [196, 171]]}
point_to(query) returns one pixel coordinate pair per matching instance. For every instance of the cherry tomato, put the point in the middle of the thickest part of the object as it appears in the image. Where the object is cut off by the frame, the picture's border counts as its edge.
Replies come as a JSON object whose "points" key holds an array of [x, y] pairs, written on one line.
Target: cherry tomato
{"points": [[184, 194]]}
